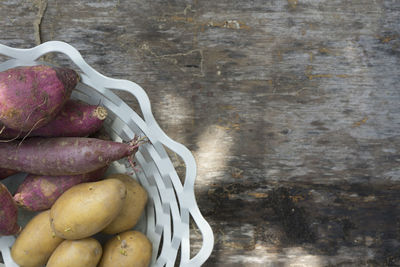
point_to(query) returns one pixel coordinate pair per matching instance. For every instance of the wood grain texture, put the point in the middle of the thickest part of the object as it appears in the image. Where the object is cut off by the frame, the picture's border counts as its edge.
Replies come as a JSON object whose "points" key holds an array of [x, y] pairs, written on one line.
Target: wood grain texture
{"points": [[291, 108]]}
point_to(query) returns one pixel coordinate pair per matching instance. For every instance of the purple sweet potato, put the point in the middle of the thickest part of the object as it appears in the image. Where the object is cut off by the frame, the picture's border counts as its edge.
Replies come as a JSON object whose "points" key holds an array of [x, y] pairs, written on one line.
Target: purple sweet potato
{"points": [[76, 119], [8, 213], [31, 96], [4, 173], [39, 192], [57, 156]]}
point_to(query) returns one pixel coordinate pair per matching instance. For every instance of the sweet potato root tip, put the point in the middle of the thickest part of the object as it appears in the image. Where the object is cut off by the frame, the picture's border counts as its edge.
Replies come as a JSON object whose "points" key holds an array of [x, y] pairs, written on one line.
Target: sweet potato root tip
{"points": [[100, 113], [18, 198]]}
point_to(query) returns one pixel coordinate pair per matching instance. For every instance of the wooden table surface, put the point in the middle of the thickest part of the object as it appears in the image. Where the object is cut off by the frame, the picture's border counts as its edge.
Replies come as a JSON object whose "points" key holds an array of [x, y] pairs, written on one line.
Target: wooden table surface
{"points": [[290, 107]]}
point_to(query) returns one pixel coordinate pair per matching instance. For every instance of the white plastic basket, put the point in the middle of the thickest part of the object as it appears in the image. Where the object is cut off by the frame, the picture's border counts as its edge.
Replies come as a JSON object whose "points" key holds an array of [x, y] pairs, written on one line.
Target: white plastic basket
{"points": [[166, 221]]}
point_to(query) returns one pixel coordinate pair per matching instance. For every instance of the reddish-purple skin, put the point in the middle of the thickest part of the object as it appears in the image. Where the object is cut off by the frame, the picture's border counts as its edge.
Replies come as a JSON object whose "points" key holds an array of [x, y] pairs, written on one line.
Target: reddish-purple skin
{"points": [[76, 119], [39, 192], [31, 96], [4, 173], [8, 213], [62, 155]]}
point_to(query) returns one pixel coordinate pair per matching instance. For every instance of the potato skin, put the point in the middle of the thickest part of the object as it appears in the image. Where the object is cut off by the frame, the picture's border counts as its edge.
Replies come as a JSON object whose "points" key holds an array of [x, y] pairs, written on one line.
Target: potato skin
{"points": [[86, 209], [36, 242], [76, 253], [130, 248], [135, 201]]}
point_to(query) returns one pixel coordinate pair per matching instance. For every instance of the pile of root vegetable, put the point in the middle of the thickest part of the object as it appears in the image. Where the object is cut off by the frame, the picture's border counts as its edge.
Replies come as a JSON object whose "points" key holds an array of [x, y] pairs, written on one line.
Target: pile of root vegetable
{"points": [[59, 143]]}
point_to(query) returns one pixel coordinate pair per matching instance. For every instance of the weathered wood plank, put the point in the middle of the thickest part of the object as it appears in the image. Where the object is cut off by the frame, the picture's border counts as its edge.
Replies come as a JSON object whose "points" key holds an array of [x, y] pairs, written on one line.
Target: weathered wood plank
{"points": [[285, 105]]}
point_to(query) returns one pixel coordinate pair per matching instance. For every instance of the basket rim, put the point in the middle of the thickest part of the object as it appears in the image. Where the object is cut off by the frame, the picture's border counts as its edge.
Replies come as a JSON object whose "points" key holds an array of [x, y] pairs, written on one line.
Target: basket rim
{"points": [[149, 125]]}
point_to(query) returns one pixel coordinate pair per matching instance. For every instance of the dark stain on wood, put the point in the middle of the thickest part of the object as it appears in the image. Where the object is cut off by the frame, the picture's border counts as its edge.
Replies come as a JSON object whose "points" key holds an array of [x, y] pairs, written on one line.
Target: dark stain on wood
{"points": [[322, 218], [291, 217]]}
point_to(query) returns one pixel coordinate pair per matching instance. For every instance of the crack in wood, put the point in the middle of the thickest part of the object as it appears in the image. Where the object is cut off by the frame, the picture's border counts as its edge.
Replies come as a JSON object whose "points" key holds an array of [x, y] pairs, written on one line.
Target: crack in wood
{"points": [[174, 56], [42, 6]]}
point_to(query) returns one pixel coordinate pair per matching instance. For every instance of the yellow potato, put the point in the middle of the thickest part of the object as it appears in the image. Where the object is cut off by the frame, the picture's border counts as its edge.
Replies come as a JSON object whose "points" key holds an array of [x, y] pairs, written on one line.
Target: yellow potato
{"points": [[135, 201], [85, 209], [36, 242], [76, 253], [130, 249]]}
